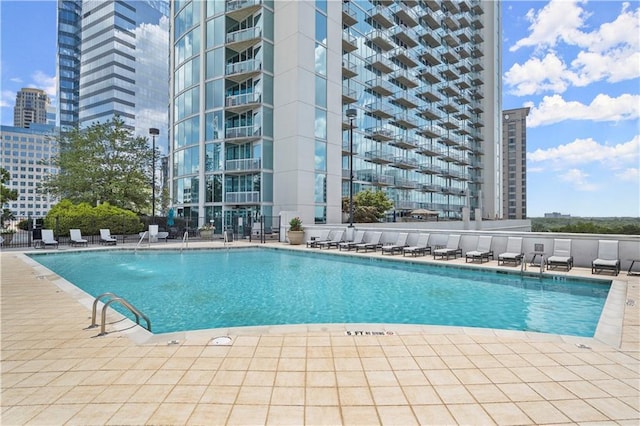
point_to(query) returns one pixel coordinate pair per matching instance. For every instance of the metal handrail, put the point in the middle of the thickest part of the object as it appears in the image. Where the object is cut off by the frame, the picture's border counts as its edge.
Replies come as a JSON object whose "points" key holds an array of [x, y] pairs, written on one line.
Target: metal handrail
{"points": [[144, 234], [185, 240], [123, 302]]}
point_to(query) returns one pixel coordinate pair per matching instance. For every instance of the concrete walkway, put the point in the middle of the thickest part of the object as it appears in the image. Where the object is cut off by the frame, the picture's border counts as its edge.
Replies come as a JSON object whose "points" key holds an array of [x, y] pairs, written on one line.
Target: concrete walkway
{"points": [[56, 371]]}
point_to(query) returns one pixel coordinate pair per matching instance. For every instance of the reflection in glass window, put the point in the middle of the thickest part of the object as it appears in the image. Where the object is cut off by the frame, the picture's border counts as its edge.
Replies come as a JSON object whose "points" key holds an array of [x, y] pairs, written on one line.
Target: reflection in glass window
{"points": [[320, 158], [320, 189], [321, 124], [321, 91], [321, 28], [321, 59]]}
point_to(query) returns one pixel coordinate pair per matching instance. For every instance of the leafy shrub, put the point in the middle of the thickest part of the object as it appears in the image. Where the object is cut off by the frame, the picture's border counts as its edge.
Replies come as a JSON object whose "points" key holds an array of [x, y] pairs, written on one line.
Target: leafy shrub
{"points": [[66, 215]]}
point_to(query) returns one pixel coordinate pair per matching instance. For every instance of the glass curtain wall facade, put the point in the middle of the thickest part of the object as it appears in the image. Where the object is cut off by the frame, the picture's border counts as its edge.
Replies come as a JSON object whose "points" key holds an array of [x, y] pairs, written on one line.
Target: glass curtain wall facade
{"points": [[124, 64], [68, 62], [414, 71], [221, 111]]}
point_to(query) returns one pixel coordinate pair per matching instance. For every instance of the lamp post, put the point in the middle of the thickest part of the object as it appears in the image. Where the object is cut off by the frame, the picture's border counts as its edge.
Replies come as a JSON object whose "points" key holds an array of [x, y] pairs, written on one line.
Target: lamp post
{"points": [[153, 132], [351, 114]]}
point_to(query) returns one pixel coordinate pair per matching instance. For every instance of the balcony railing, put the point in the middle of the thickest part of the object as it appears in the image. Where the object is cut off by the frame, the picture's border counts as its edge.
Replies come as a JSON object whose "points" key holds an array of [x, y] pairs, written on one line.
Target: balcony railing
{"points": [[242, 197], [250, 65], [243, 35], [243, 99], [243, 164], [243, 132], [240, 4]]}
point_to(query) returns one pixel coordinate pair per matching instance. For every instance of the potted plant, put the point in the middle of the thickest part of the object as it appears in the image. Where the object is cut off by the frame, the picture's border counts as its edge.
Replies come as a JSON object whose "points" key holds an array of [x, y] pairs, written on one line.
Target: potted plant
{"points": [[7, 235], [206, 231], [296, 232]]}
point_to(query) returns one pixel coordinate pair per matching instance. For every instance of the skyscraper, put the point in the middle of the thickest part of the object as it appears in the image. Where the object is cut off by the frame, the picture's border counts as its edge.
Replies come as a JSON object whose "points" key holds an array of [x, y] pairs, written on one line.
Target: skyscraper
{"points": [[31, 107], [259, 94], [68, 62], [514, 159]]}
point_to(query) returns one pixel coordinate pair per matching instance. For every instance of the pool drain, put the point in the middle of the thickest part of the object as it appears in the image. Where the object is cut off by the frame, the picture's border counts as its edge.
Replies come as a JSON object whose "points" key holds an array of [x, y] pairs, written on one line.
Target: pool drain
{"points": [[221, 341]]}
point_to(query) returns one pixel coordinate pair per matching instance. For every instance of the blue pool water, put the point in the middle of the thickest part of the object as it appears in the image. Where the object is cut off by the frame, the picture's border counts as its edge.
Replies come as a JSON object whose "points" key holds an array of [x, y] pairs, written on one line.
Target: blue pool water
{"points": [[259, 286]]}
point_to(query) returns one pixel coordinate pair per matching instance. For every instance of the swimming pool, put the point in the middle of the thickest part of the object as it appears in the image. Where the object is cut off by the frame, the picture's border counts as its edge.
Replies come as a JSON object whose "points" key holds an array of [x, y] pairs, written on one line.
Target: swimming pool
{"points": [[203, 289]]}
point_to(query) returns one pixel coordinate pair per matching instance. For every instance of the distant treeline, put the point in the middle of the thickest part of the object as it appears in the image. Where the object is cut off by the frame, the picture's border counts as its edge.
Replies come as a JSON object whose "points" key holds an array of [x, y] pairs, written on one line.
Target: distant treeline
{"points": [[598, 225]]}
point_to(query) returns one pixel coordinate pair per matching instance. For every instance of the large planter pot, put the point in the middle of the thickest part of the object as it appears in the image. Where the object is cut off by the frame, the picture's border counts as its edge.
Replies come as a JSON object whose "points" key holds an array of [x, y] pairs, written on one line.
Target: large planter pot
{"points": [[207, 234], [295, 237]]}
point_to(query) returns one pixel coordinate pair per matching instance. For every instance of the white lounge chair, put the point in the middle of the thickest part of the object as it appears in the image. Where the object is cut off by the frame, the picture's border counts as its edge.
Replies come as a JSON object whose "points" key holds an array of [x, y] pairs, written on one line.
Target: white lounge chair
{"points": [[47, 238], [348, 245], [324, 236], [483, 250], [76, 239], [106, 238], [514, 252], [561, 255], [335, 240], [452, 248], [422, 246], [399, 245], [372, 244], [607, 259]]}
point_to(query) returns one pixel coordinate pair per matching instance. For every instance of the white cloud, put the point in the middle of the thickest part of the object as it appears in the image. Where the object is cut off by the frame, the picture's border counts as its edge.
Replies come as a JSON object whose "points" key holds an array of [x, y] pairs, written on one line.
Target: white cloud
{"points": [[554, 109], [610, 52], [585, 151], [16, 80], [631, 174], [7, 99], [44, 82], [557, 21], [579, 180]]}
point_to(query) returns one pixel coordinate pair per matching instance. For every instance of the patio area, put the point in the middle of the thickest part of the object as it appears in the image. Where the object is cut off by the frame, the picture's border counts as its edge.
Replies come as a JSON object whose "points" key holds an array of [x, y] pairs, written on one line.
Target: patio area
{"points": [[55, 370]]}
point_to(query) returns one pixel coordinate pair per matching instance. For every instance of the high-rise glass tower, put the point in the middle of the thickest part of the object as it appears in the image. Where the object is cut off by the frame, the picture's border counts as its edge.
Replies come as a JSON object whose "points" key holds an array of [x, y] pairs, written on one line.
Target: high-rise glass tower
{"points": [[68, 62], [260, 89], [514, 160]]}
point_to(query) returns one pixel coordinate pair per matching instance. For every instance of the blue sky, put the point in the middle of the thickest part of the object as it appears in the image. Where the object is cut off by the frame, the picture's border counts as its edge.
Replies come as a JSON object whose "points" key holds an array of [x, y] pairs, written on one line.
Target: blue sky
{"points": [[576, 64]]}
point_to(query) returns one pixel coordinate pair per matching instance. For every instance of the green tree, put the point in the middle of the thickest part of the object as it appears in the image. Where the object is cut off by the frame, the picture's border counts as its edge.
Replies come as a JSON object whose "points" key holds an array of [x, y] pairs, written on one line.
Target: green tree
{"points": [[368, 206], [103, 163], [6, 195]]}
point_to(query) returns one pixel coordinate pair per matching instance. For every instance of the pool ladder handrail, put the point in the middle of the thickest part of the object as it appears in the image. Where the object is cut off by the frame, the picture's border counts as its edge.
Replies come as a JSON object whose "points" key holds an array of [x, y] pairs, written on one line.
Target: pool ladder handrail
{"points": [[185, 240], [124, 302], [144, 234]]}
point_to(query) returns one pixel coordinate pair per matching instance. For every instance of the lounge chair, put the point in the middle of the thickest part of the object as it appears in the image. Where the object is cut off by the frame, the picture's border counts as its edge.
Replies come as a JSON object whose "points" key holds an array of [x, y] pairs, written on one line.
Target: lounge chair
{"points": [[483, 250], [372, 244], [607, 259], [421, 248], [561, 255], [76, 238], [335, 240], [106, 238], [451, 249], [314, 241], [514, 252], [348, 245], [47, 238], [399, 245]]}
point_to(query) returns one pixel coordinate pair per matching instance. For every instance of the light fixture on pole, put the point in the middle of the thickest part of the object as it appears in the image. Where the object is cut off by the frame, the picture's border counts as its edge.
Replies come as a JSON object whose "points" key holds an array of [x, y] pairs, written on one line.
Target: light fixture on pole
{"points": [[351, 114], [153, 132]]}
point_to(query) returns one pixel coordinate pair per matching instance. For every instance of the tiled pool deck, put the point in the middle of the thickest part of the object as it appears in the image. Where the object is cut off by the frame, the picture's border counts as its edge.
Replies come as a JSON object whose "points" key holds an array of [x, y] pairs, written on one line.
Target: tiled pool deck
{"points": [[57, 371]]}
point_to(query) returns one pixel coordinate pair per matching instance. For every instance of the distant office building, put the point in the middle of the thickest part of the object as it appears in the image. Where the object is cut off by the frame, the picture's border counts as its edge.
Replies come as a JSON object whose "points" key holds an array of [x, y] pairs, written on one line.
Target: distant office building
{"points": [[556, 215], [31, 107], [260, 92], [26, 155], [68, 62], [514, 162]]}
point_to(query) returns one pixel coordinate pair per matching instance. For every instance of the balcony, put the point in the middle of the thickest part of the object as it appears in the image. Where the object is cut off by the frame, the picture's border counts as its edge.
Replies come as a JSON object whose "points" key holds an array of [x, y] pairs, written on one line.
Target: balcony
{"points": [[464, 66], [405, 35], [349, 95], [433, 5], [477, 94], [451, 6], [405, 121], [401, 183], [242, 133], [477, 52], [406, 78], [380, 134], [462, 52], [450, 123], [448, 73], [240, 71], [449, 22], [378, 157], [243, 165], [349, 16], [429, 59], [401, 55], [431, 132], [404, 142], [427, 187], [449, 91], [404, 163], [241, 40], [380, 87], [405, 99], [463, 21], [448, 57], [429, 75], [428, 169], [464, 35], [380, 39], [430, 149], [476, 23], [381, 15], [251, 197], [239, 10], [379, 110], [349, 69], [429, 40], [243, 102], [349, 42], [429, 113], [431, 22], [450, 40], [406, 15], [381, 63]]}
